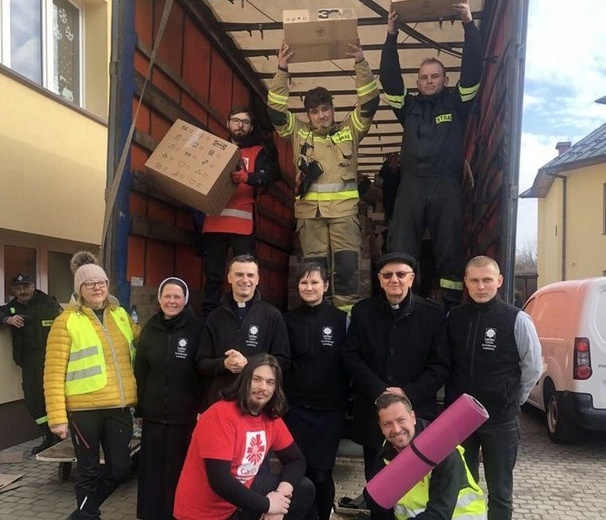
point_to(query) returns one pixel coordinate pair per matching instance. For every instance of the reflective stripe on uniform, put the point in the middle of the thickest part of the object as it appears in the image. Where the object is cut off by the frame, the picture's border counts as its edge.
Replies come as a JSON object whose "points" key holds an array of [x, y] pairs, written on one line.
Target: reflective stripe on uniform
{"points": [[451, 284], [277, 99], [468, 93], [42, 420], [395, 101], [84, 353], [339, 195], [336, 187], [361, 127], [289, 126], [367, 89], [238, 213], [84, 373]]}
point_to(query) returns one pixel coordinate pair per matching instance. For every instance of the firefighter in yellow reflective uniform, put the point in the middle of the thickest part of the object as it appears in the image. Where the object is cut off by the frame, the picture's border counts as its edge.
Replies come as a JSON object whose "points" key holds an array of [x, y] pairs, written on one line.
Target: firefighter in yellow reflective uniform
{"points": [[325, 153], [448, 491]]}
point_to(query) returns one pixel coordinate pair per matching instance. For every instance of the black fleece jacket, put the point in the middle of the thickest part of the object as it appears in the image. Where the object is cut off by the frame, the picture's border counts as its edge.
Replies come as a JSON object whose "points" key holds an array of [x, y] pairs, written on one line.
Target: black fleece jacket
{"points": [[169, 386], [258, 327], [317, 377]]}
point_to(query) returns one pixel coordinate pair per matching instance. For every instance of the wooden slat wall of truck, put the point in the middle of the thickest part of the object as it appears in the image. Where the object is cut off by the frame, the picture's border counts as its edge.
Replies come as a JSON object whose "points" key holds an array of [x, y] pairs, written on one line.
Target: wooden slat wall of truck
{"points": [[191, 80]]}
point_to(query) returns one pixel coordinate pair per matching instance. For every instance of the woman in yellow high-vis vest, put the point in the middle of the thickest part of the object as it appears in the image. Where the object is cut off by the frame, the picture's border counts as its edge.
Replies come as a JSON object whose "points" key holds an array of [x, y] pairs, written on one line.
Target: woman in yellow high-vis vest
{"points": [[89, 384]]}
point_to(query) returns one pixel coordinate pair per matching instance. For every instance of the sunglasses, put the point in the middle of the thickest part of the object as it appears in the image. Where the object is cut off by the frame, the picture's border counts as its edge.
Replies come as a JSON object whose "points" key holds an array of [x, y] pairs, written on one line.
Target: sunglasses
{"points": [[387, 275]]}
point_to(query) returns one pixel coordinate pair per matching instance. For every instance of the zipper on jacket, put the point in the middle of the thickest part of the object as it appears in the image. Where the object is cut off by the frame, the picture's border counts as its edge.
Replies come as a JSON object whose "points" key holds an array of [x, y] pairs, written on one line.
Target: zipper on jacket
{"points": [[473, 343], [115, 358]]}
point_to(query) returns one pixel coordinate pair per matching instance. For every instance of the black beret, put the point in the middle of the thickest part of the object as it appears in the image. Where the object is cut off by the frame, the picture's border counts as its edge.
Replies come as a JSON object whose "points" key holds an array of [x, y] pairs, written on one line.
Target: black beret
{"points": [[396, 257]]}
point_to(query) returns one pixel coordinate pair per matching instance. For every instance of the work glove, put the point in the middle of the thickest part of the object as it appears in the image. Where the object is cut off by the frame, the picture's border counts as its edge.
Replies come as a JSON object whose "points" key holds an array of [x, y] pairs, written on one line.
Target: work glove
{"points": [[239, 177]]}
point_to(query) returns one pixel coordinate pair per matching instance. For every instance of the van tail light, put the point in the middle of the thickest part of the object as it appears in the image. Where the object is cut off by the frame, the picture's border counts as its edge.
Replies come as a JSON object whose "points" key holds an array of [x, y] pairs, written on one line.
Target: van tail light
{"points": [[582, 359]]}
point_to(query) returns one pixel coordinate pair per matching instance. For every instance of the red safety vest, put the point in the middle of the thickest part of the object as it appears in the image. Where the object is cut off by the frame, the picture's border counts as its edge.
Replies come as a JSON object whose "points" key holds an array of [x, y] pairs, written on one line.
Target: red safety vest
{"points": [[237, 216]]}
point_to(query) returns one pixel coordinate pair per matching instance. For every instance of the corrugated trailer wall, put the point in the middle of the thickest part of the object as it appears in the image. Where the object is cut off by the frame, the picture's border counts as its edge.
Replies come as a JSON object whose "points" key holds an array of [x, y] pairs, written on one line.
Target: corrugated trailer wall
{"points": [[191, 80], [493, 139]]}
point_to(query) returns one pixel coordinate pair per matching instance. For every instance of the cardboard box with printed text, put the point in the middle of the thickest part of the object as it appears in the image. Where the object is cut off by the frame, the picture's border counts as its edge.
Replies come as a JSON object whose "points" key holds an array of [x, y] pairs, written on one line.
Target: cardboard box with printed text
{"points": [[193, 166], [320, 34], [423, 10]]}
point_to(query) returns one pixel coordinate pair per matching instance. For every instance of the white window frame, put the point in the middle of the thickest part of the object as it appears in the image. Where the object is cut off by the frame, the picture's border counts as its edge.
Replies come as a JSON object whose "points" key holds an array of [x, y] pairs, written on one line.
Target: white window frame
{"points": [[47, 45]]}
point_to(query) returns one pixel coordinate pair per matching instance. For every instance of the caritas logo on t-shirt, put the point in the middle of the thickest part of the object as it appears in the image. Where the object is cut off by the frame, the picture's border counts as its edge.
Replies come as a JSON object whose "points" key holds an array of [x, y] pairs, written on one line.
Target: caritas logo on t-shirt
{"points": [[254, 453]]}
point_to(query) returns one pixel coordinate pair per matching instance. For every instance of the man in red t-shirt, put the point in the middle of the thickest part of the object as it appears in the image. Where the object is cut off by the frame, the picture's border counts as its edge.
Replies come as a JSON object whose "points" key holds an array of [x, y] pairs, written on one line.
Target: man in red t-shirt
{"points": [[220, 479]]}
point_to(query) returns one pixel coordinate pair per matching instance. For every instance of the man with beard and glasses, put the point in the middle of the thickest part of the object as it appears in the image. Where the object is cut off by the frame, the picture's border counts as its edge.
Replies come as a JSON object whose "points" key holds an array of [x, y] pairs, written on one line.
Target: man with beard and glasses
{"points": [[234, 227], [221, 478]]}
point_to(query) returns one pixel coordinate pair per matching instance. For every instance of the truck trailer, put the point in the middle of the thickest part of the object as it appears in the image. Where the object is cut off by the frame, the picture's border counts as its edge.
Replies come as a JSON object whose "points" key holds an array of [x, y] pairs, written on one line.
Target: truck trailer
{"points": [[195, 59]]}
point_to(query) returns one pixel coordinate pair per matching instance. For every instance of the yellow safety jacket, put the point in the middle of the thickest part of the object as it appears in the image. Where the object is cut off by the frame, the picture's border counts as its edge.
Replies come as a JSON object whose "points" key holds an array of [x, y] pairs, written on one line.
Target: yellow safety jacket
{"points": [[88, 364], [470, 502], [86, 368], [335, 193]]}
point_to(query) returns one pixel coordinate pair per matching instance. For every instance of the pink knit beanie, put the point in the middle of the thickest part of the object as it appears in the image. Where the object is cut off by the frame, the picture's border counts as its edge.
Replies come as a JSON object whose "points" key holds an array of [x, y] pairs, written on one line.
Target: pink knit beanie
{"points": [[84, 266]]}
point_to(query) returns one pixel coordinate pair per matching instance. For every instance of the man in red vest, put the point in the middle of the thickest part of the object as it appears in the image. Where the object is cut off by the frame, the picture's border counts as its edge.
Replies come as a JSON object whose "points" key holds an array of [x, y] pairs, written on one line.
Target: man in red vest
{"points": [[234, 227]]}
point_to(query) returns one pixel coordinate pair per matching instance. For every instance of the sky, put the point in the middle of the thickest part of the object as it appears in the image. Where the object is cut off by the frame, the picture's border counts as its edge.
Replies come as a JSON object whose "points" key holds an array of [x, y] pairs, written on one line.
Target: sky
{"points": [[565, 74]]}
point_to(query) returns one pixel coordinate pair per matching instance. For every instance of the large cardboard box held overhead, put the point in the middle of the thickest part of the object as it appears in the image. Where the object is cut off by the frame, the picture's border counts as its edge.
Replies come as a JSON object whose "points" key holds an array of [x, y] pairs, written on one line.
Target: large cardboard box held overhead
{"points": [[423, 10], [193, 166], [320, 34]]}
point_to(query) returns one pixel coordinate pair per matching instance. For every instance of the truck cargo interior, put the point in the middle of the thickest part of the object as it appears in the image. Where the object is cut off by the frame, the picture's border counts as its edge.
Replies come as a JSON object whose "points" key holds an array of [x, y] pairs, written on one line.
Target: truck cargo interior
{"points": [[202, 57]]}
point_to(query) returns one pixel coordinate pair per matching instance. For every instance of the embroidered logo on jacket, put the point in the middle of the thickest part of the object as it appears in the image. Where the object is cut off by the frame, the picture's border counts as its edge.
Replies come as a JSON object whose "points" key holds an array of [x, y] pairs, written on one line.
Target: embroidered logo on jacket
{"points": [[253, 336], [181, 352], [490, 339], [443, 118], [328, 339]]}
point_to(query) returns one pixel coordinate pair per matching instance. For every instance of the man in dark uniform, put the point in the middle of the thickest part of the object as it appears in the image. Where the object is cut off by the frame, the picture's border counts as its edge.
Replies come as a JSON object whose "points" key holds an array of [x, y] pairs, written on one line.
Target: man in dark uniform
{"points": [[30, 315], [396, 343], [432, 159], [243, 325], [495, 357]]}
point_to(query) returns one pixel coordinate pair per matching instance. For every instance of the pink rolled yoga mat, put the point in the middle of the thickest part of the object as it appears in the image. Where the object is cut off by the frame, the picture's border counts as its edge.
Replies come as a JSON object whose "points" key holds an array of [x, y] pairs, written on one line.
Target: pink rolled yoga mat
{"points": [[431, 447]]}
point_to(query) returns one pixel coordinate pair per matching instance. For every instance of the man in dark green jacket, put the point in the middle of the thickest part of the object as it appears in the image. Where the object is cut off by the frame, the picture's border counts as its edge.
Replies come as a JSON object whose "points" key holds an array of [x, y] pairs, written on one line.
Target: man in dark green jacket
{"points": [[30, 315]]}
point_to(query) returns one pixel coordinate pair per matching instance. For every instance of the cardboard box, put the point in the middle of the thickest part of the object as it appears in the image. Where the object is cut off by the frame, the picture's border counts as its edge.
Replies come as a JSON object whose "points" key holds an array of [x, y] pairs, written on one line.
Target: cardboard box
{"points": [[320, 34], [193, 166], [423, 10]]}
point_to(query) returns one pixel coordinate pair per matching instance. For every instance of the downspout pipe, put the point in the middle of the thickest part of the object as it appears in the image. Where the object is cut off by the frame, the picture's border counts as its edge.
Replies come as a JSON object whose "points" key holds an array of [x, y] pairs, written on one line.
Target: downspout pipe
{"points": [[122, 88], [564, 219], [516, 100]]}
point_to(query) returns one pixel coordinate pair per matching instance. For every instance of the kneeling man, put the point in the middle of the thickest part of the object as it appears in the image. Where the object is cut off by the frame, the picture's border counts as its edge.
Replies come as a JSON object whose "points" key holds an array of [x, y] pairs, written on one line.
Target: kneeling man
{"points": [[447, 492], [220, 479]]}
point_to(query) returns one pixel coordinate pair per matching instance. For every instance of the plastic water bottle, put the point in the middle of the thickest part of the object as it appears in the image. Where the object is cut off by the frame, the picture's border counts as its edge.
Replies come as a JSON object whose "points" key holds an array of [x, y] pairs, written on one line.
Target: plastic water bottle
{"points": [[134, 315]]}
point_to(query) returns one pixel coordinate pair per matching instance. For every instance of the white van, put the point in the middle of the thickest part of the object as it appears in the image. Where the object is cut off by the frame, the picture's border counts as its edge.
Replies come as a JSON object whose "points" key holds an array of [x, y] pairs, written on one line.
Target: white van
{"points": [[570, 318]]}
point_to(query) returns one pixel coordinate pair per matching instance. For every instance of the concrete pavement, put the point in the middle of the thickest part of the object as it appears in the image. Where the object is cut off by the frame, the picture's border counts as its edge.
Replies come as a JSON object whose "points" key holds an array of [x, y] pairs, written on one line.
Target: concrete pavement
{"points": [[551, 482]]}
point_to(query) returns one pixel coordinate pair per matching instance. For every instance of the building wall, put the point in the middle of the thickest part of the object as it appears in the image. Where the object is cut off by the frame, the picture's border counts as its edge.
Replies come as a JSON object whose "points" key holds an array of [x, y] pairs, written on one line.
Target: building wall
{"points": [[585, 254], [54, 158], [549, 236], [53, 176], [586, 242]]}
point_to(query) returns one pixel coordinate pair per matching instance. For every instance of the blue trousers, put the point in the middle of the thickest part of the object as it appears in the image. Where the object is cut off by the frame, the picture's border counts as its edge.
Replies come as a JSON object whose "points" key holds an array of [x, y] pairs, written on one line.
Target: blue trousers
{"points": [[499, 443]]}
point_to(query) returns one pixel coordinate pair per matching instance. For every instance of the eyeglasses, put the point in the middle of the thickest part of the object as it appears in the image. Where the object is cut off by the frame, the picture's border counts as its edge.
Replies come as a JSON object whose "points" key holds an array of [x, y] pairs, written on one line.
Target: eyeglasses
{"points": [[387, 275], [102, 284], [238, 121]]}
